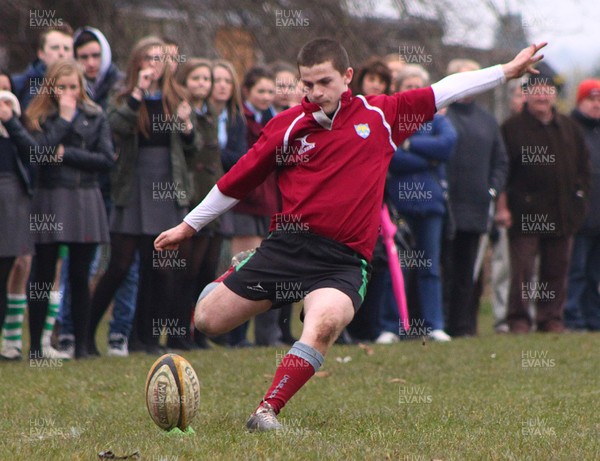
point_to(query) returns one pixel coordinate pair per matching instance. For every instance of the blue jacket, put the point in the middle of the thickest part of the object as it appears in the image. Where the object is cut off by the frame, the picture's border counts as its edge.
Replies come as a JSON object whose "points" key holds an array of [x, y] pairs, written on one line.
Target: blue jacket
{"points": [[27, 83], [417, 177]]}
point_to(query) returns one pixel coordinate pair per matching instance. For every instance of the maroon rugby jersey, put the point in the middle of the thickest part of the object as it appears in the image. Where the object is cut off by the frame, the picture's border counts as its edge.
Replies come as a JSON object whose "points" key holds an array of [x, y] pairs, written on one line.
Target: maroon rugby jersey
{"points": [[331, 173]]}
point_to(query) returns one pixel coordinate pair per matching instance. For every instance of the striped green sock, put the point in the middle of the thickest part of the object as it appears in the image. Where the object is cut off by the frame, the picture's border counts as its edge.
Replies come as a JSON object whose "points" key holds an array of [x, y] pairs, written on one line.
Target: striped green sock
{"points": [[53, 305], [12, 331]]}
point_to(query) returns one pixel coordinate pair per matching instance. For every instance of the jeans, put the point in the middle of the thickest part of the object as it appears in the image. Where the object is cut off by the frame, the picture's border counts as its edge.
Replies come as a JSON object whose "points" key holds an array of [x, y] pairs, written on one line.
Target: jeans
{"points": [[365, 326], [500, 276], [125, 298], [425, 259], [582, 309], [389, 318]]}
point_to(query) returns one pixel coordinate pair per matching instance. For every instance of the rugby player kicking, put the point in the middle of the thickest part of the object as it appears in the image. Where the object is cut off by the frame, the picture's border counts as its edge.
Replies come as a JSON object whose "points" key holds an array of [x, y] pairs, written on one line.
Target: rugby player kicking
{"points": [[331, 154]]}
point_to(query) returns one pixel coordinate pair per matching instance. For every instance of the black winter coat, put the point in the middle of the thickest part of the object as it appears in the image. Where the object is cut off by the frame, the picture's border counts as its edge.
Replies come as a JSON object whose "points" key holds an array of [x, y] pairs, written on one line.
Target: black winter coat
{"points": [[88, 149], [591, 133], [23, 145], [549, 175], [478, 164]]}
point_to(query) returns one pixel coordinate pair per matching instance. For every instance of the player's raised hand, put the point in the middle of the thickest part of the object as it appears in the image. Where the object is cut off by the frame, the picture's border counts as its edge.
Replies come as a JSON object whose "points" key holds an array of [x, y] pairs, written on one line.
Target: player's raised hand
{"points": [[170, 239], [524, 61]]}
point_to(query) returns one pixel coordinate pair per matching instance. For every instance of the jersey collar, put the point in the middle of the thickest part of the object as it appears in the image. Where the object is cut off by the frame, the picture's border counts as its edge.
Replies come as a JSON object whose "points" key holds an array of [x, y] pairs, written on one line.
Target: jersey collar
{"points": [[320, 116]]}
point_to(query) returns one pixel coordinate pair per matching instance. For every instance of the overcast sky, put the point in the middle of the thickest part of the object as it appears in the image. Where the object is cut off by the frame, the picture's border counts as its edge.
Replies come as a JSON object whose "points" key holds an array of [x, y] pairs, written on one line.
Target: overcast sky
{"points": [[571, 26], [573, 30]]}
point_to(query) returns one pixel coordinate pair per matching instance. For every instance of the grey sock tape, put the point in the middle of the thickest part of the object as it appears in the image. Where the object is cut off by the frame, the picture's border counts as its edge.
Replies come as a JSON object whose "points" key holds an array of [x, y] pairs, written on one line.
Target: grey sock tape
{"points": [[306, 352]]}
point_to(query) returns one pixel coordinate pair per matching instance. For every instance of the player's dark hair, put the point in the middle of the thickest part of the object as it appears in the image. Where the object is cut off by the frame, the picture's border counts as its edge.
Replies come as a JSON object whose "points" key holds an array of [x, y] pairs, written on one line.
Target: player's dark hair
{"points": [[321, 50], [83, 39], [254, 75]]}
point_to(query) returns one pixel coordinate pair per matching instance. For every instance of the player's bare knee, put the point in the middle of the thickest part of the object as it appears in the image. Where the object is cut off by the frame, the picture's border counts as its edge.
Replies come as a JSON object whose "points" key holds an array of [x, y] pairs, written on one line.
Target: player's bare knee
{"points": [[205, 322], [198, 318], [208, 326], [327, 331]]}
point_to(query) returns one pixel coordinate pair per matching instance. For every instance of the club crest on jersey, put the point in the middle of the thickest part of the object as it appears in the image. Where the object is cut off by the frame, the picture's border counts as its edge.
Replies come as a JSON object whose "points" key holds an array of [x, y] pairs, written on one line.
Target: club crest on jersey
{"points": [[305, 146], [363, 130]]}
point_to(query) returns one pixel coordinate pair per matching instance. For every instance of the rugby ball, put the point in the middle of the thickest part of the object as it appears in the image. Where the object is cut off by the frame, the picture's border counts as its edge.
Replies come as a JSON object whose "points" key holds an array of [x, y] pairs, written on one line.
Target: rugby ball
{"points": [[172, 392]]}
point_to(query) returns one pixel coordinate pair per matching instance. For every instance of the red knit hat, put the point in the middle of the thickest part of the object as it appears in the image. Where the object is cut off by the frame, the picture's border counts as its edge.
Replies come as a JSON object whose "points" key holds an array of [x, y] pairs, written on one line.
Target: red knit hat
{"points": [[588, 88]]}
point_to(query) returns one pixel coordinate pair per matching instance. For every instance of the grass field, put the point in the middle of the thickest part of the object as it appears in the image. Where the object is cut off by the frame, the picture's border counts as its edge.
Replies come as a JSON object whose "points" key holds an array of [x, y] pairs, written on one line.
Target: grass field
{"points": [[534, 397]]}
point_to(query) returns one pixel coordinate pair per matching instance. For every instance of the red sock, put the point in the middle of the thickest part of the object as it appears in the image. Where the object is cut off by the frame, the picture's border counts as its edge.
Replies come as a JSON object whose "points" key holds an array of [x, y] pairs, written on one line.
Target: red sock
{"points": [[292, 373]]}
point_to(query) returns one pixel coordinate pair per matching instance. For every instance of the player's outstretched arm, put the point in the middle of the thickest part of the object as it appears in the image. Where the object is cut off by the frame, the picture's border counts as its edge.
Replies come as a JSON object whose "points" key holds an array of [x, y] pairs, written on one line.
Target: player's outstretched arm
{"points": [[214, 204], [171, 238], [524, 61], [465, 84]]}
